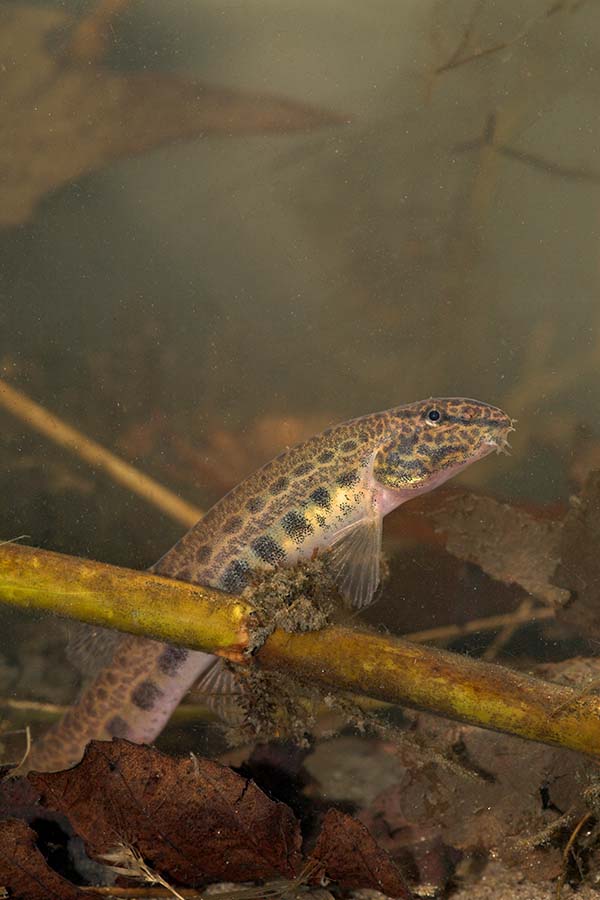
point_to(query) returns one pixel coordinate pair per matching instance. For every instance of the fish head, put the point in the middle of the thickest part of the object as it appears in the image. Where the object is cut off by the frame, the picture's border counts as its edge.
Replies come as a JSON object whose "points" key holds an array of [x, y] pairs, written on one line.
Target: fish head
{"points": [[431, 441]]}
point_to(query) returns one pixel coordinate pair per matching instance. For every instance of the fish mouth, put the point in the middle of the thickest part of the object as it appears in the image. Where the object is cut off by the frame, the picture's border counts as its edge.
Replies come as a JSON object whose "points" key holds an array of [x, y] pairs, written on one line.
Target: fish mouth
{"points": [[500, 443]]}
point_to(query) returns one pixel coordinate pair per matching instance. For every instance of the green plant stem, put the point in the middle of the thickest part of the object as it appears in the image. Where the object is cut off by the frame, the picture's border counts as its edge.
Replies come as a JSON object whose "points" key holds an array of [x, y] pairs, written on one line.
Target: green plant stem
{"points": [[136, 602], [381, 667]]}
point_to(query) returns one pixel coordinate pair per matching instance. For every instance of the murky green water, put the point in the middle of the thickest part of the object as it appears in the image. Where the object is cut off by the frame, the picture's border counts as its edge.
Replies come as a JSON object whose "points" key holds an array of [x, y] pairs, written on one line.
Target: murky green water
{"points": [[394, 201]]}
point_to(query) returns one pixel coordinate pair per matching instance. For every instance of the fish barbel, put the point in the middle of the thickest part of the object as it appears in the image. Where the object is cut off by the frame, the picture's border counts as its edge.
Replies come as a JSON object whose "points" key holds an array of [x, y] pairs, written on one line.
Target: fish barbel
{"points": [[329, 493]]}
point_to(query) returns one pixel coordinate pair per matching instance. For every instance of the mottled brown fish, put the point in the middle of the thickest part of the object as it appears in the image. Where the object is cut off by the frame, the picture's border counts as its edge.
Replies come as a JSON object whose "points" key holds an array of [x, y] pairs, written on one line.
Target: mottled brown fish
{"points": [[328, 494]]}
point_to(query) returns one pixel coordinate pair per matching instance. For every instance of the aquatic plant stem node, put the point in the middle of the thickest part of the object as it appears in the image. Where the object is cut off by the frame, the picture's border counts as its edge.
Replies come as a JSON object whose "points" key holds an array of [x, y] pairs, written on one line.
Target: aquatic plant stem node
{"points": [[368, 664]]}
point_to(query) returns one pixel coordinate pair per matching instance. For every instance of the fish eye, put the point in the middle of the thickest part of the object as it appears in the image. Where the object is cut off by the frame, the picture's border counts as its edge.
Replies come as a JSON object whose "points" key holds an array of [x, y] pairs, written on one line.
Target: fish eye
{"points": [[434, 415]]}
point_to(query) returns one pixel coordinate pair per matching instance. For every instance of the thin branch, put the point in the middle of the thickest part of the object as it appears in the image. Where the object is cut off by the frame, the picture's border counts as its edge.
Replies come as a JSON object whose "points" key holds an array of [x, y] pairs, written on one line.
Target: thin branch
{"points": [[136, 602], [523, 614], [548, 166], [568, 850], [116, 892], [457, 59], [474, 626], [534, 160], [51, 426], [38, 711], [393, 670]]}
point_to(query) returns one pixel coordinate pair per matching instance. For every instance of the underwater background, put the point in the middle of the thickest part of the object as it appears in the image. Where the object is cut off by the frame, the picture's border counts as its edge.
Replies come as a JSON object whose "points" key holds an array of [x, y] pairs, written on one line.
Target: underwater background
{"points": [[225, 226]]}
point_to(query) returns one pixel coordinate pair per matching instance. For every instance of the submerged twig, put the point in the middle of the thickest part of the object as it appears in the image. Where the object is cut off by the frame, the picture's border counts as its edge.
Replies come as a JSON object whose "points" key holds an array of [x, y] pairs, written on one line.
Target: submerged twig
{"points": [[51, 426], [461, 57], [136, 602], [394, 670], [523, 614], [489, 140], [148, 892], [488, 623], [569, 849], [124, 859], [39, 711]]}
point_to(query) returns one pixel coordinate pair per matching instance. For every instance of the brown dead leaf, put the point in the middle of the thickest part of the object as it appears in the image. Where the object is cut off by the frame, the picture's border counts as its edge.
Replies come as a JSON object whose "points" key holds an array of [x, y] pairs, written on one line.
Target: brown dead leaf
{"points": [[192, 820], [61, 118], [351, 857], [520, 804], [579, 569], [508, 543], [24, 872]]}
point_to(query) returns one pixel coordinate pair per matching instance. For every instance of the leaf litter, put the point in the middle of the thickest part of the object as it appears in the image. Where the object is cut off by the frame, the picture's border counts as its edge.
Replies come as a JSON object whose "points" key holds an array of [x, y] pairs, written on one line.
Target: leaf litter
{"points": [[188, 822]]}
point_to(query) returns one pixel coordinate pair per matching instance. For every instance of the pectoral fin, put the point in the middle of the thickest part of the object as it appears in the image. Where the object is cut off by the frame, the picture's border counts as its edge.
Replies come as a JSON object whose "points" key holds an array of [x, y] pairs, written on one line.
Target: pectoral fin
{"points": [[220, 689], [355, 557]]}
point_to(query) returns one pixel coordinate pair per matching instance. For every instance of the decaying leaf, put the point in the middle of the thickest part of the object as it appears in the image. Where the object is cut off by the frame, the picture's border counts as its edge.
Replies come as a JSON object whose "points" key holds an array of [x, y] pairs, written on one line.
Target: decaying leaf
{"points": [[192, 820], [61, 118], [508, 543], [520, 805], [24, 873], [579, 569], [351, 857]]}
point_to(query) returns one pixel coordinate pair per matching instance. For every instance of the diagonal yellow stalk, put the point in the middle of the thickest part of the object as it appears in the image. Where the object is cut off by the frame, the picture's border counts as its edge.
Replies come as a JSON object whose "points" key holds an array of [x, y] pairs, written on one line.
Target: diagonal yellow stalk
{"points": [[63, 434], [137, 602], [372, 665]]}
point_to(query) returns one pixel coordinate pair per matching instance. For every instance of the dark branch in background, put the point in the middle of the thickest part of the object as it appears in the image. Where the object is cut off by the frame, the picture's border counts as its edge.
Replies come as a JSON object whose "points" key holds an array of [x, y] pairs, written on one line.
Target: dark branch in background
{"points": [[523, 156], [457, 59]]}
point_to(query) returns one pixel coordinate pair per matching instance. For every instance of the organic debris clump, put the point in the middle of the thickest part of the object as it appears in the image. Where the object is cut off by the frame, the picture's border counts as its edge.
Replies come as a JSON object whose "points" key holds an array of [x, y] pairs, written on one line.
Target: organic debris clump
{"points": [[294, 599]]}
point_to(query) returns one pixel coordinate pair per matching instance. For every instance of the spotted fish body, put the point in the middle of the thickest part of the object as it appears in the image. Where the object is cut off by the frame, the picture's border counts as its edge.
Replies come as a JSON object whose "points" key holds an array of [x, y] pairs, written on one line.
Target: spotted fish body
{"points": [[327, 494]]}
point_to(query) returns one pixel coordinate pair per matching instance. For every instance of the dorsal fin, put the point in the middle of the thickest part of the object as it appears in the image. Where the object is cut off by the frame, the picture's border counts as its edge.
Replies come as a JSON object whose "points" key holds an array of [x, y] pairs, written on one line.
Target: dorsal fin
{"points": [[355, 557]]}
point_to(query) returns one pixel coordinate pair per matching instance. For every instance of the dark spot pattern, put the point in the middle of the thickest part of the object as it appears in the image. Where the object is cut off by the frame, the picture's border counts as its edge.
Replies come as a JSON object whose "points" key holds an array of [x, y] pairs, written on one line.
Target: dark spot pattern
{"points": [[117, 727], [348, 446], [232, 524], [440, 453], [414, 465], [326, 456], [296, 525], [278, 486], [268, 550], [145, 695], [235, 577], [347, 479], [171, 660], [203, 553], [321, 497], [255, 504], [406, 445], [303, 469]]}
